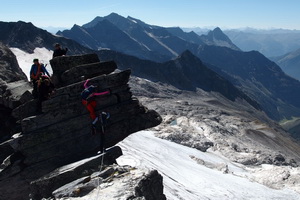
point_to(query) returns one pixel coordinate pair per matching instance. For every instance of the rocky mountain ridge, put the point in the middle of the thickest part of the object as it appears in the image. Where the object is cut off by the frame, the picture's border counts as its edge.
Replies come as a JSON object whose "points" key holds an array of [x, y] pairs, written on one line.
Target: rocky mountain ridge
{"points": [[27, 37], [258, 77], [62, 133]]}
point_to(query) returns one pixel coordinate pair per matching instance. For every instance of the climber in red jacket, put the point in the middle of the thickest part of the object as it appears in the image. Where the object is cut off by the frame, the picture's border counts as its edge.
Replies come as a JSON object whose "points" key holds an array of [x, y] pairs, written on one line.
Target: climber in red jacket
{"points": [[87, 99]]}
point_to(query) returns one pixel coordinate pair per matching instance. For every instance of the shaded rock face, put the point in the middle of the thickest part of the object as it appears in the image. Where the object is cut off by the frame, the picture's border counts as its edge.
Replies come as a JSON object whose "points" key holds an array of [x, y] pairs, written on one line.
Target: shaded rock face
{"points": [[9, 67], [13, 91], [62, 133], [15, 94], [261, 79]]}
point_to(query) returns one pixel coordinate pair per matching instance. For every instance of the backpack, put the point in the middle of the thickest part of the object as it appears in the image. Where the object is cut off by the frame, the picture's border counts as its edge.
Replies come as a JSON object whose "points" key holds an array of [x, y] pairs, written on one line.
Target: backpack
{"points": [[87, 92]]}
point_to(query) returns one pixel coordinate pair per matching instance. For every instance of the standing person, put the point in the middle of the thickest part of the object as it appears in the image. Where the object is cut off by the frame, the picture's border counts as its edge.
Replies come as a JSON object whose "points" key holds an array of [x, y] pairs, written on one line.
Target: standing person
{"points": [[36, 70], [58, 51], [88, 100]]}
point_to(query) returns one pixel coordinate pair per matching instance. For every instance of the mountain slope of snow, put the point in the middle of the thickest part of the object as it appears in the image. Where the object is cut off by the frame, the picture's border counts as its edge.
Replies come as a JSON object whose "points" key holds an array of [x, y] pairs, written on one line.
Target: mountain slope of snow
{"points": [[185, 178]]}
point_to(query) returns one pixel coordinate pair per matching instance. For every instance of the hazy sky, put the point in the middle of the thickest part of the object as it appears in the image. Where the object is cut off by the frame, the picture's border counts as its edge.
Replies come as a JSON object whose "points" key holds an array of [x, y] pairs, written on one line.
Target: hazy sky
{"points": [[262, 14]]}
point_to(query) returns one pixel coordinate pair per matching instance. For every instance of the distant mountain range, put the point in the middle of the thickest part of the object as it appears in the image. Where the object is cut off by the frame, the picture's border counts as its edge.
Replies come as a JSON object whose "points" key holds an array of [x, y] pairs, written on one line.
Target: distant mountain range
{"points": [[271, 43], [134, 37], [157, 53], [290, 63]]}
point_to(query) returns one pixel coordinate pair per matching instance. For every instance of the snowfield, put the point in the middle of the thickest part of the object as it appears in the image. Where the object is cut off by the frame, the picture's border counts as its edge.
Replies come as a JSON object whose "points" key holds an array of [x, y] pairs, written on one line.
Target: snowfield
{"points": [[185, 178]]}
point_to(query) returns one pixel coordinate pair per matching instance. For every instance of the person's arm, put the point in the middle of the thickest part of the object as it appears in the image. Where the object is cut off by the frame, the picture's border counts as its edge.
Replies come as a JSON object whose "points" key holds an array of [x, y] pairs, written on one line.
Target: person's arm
{"points": [[100, 93], [55, 53], [31, 71], [85, 83], [45, 70]]}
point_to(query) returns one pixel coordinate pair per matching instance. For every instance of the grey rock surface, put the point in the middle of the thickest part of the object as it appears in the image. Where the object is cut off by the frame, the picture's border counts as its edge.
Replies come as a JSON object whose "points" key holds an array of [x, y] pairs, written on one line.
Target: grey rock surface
{"points": [[9, 67], [61, 134]]}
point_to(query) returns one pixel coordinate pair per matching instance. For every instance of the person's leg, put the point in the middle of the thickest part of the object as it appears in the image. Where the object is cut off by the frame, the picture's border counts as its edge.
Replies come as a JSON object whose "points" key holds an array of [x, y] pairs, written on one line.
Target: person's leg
{"points": [[91, 108], [40, 97], [35, 89]]}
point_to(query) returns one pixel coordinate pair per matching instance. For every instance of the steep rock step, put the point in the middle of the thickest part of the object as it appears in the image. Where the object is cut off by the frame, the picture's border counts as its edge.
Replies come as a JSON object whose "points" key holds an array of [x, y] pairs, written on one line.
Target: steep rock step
{"points": [[63, 63], [75, 74]]}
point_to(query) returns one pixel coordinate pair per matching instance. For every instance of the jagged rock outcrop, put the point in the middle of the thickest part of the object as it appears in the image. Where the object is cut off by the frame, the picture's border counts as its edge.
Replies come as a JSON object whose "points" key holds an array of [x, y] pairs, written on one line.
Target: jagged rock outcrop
{"points": [[62, 133], [82, 177], [44, 186], [9, 67], [13, 91]]}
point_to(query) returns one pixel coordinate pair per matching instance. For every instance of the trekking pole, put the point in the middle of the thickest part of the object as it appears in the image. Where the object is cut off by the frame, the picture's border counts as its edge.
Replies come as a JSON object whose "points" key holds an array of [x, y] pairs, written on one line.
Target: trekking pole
{"points": [[102, 134]]}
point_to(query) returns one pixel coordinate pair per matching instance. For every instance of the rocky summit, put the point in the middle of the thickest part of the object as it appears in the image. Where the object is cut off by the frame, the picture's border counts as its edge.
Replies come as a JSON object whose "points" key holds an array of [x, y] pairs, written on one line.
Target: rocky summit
{"points": [[43, 142]]}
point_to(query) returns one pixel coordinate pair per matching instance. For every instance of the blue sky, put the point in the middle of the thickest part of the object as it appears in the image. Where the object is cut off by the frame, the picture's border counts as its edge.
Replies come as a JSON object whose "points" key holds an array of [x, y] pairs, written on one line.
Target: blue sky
{"points": [[262, 14]]}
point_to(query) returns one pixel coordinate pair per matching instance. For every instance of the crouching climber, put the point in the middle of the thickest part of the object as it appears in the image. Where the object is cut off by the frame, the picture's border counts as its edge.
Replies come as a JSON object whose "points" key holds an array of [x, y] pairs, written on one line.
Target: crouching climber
{"points": [[45, 89], [88, 99]]}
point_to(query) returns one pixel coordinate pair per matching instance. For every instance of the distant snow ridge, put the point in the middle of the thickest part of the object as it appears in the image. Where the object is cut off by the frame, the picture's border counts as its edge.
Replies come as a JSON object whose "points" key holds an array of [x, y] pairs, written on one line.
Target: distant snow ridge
{"points": [[25, 59]]}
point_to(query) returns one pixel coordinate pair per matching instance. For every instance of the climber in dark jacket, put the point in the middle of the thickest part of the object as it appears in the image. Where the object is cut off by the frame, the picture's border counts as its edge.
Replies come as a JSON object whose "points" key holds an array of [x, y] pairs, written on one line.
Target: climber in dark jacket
{"points": [[58, 51]]}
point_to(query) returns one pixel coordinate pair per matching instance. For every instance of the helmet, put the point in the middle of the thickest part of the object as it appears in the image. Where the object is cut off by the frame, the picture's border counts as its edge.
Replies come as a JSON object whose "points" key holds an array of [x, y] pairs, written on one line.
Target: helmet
{"points": [[35, 60]]}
